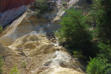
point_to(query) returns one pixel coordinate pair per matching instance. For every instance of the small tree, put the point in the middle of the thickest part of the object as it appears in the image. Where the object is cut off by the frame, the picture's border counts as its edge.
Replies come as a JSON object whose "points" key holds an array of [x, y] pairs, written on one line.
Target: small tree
{"points": [[73, 31]]}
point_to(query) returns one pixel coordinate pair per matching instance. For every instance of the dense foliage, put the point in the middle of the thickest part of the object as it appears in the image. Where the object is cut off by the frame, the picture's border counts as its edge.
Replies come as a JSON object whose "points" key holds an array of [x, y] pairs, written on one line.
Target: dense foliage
{"points": [[74, 32], [101, 11], [98, 66], [75, 35], [105, 51]]}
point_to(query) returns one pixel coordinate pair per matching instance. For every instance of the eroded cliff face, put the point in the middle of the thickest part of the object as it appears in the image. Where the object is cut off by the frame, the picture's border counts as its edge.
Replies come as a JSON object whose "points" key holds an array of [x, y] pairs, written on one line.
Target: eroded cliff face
{"points": [[25, 44], [11, 10], [27, 23]]}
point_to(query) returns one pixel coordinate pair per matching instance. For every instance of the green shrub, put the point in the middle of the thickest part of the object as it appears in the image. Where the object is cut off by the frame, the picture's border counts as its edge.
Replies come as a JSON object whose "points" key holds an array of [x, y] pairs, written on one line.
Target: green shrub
{"points": [[97, 66], [14, 70], [105, 51]]}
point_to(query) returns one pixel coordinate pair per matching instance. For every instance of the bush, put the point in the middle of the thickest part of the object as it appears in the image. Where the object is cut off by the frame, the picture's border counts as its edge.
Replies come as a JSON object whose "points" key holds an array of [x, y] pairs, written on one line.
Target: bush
{"points": [[98, 66], [105, 51]]}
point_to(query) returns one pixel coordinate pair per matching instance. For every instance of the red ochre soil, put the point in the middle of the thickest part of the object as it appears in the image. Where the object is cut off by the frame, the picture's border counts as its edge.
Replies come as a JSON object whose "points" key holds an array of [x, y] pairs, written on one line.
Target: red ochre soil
{"points": [[10, 4]]}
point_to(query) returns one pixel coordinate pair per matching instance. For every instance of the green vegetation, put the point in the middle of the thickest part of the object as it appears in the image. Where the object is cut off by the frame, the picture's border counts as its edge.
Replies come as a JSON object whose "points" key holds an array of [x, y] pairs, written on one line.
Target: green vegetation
{"points": [[1, 28], [78, 37], [78, 54], [75, 34], [14, 70], [41, 6], [24, 64], [105, 51], [98, 66], [102, 10], [1, 64]]}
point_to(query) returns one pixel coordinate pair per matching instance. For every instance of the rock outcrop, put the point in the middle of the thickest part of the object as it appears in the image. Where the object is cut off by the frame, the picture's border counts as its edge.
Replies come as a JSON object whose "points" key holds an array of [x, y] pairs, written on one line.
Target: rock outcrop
{"points": [[11, 10], [9, 16]]}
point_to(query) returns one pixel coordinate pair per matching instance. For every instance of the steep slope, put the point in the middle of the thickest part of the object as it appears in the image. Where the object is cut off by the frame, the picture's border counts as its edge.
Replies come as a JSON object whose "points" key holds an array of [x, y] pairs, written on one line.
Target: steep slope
{"points": [[35, 54], [6, 37], [26, 46]]}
